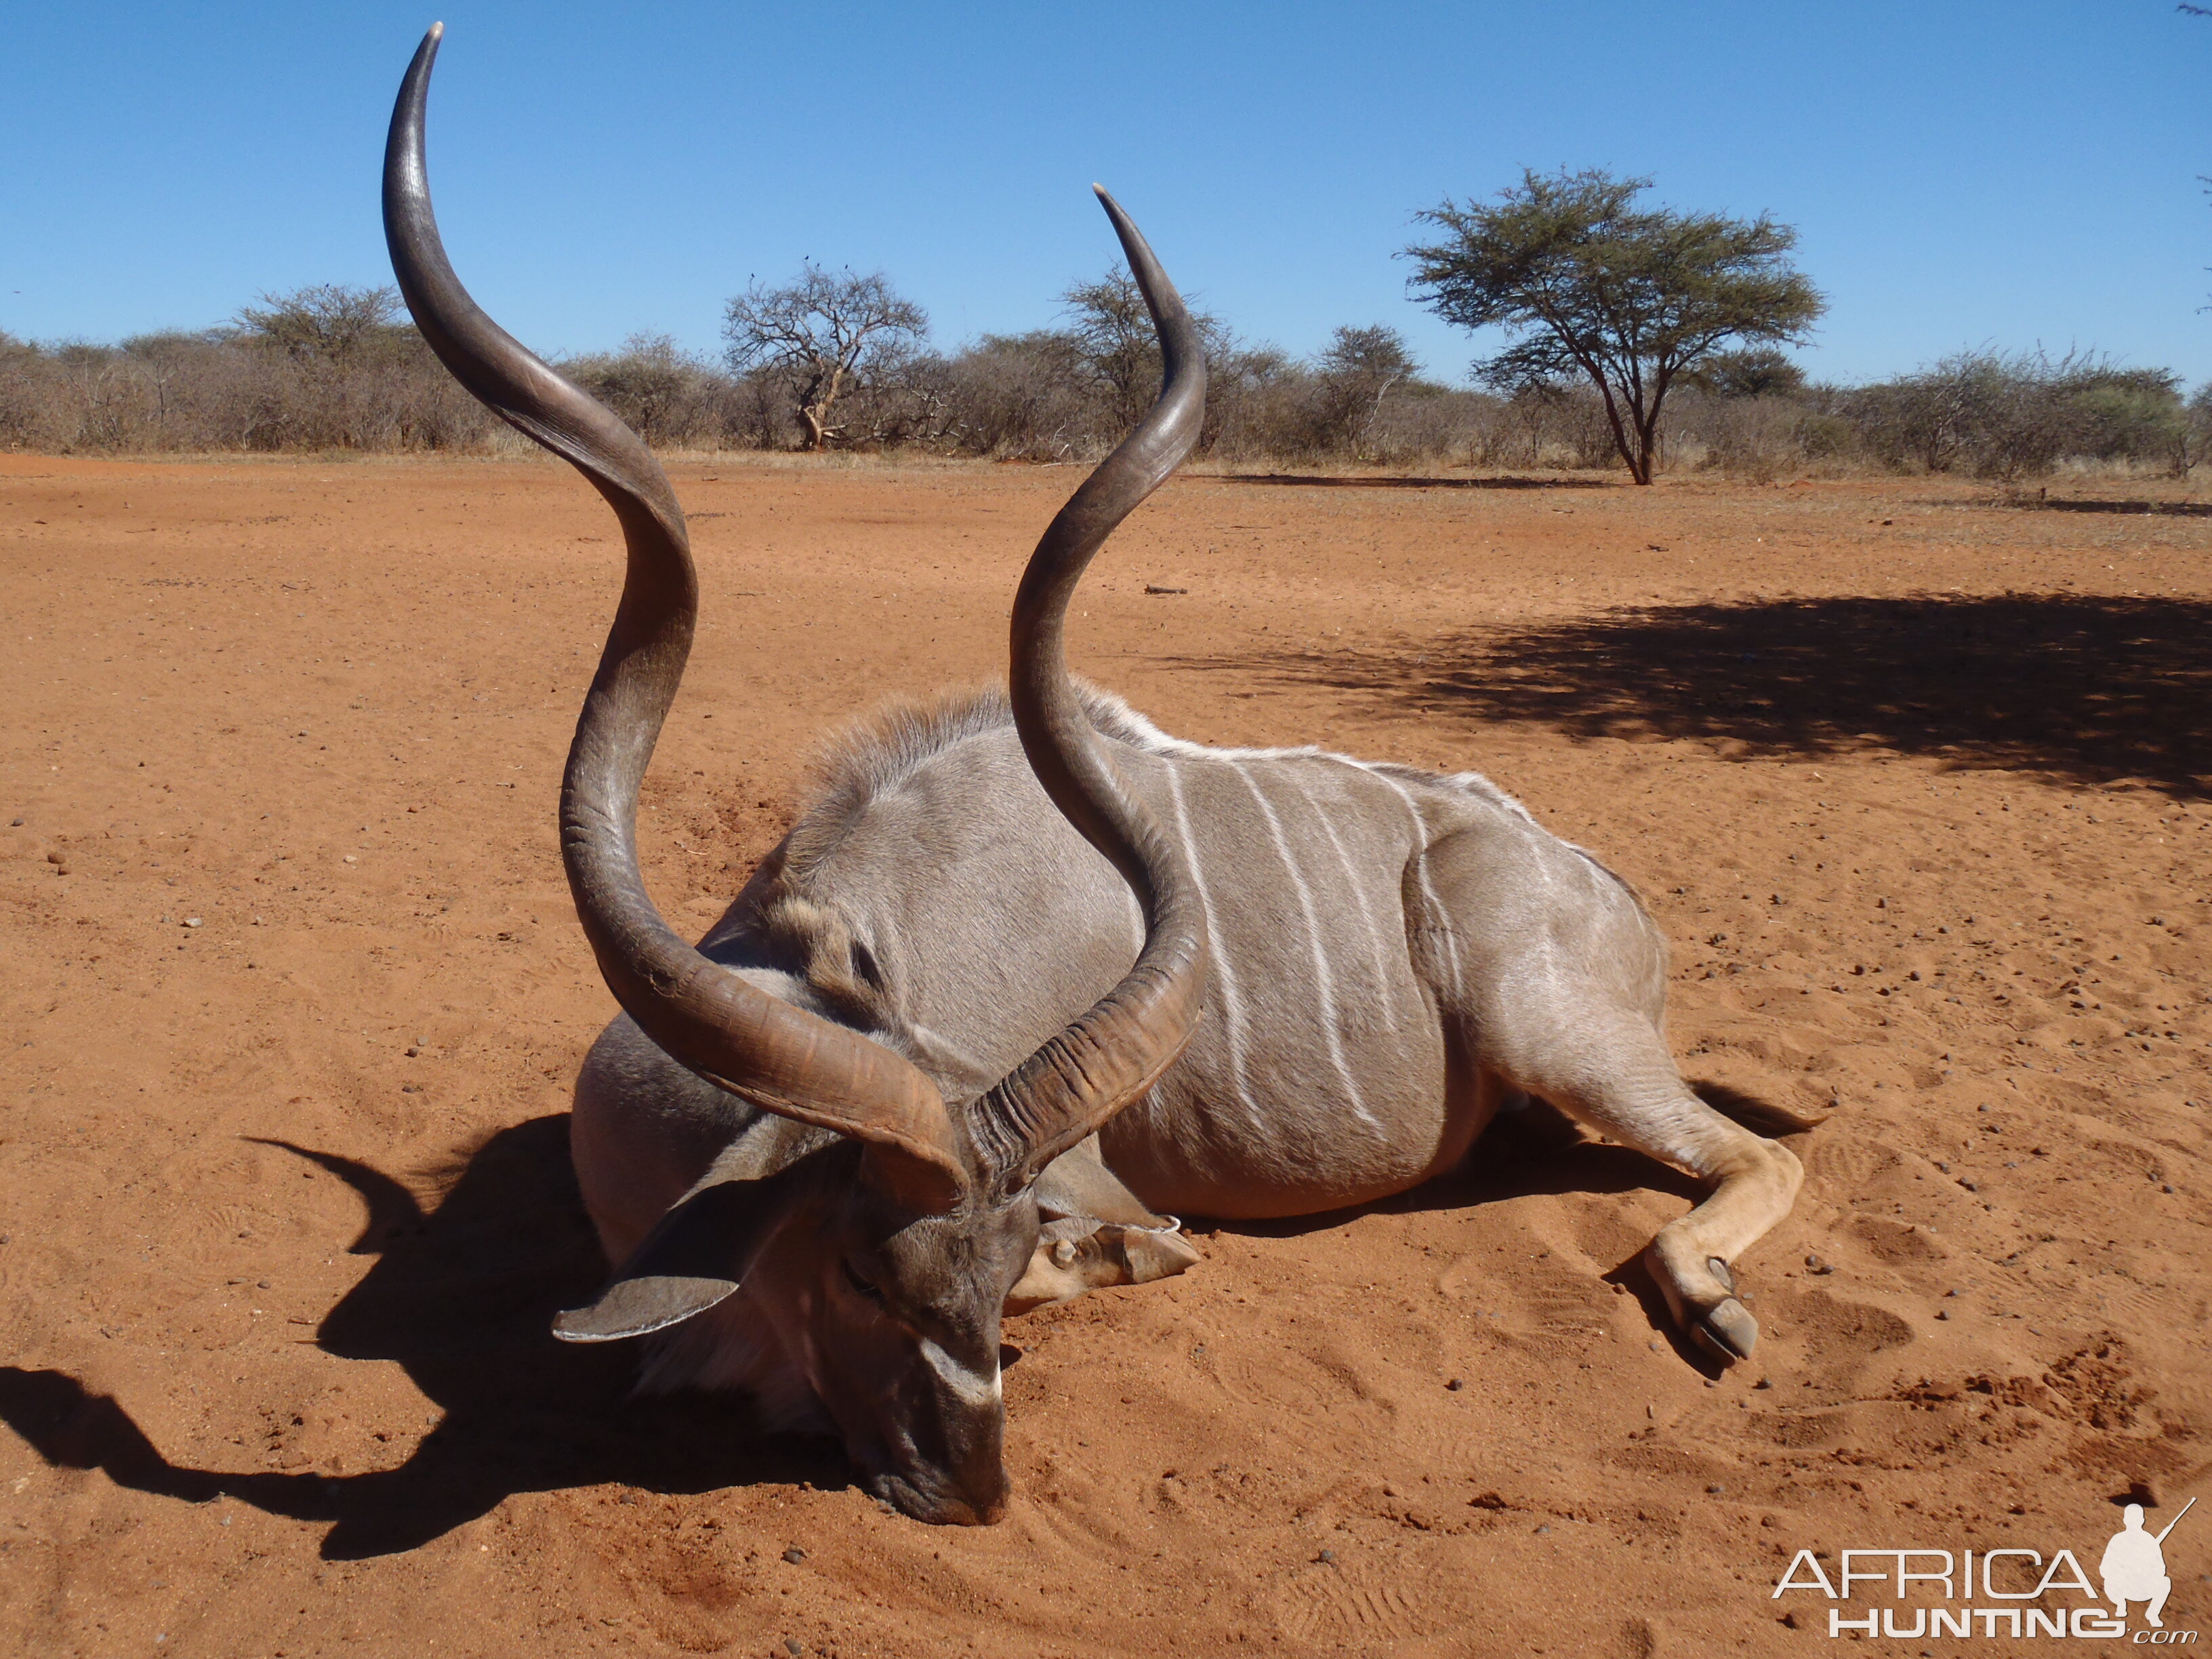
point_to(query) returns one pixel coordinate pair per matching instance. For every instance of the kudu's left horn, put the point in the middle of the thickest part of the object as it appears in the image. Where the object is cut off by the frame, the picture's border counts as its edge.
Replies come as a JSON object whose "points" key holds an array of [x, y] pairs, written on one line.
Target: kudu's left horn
{"points": [[1119, 1048]]}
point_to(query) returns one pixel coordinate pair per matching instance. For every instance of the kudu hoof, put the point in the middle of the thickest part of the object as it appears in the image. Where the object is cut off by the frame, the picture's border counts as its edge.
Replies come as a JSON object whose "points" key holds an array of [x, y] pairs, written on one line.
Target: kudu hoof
{"points": [[1725, 1330], [1728, 1332]]}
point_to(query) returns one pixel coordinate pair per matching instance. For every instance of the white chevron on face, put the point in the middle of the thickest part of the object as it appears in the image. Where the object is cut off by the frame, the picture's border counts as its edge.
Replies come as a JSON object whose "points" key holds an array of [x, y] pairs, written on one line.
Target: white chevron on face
{"points": [[969, 1384]]}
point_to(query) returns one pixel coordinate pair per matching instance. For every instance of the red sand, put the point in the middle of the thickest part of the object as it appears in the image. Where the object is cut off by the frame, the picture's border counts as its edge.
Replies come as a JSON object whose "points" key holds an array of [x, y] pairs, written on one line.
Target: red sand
{"points": [[285, 1206]]}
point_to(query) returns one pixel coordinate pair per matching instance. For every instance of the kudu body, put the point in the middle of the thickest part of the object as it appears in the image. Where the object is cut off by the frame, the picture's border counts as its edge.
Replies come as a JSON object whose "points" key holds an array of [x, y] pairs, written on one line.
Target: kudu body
{"points": [[944, 1058]]}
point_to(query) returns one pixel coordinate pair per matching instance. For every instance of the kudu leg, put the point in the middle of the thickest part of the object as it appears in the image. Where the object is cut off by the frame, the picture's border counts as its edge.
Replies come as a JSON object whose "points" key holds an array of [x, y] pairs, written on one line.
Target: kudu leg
{"points": [[1609, 1069], [1560, 994]]}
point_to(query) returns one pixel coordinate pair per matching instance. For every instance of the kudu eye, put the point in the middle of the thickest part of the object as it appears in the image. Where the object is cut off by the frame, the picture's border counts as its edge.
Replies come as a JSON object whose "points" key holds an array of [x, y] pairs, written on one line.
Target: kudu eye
{"points": [[860, 1282]]}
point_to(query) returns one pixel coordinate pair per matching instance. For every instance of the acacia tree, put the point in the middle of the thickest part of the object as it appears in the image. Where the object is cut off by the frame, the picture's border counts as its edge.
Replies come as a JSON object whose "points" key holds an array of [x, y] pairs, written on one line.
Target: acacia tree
{"points": [[1596, 287], [826, 332]]}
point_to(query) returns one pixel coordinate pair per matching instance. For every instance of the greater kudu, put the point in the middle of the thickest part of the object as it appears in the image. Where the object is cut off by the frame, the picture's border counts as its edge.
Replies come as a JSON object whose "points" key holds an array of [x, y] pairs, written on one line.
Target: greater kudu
{"points": [[945, 1058]]}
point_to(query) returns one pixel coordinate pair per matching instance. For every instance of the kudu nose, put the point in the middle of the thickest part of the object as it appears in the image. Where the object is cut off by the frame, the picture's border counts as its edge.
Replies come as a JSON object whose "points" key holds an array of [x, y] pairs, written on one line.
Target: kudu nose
{"points": [[947, 1506]]}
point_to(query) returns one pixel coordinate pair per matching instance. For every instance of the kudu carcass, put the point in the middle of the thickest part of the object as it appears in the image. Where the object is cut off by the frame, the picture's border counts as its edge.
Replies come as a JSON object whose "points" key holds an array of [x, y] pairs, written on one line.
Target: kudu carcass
{"points": [[953, 1052]]}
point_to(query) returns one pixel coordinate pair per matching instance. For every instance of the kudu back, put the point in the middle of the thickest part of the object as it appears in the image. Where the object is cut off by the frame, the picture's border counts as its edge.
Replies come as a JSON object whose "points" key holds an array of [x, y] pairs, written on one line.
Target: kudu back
{"points": [[1027, 973]]}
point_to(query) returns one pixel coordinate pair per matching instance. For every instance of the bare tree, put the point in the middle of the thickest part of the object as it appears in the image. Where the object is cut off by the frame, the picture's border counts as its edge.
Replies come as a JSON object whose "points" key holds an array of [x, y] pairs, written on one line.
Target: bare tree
{"points": [[825, 331], [1111, 334], [1358, 370], [661, 391]]}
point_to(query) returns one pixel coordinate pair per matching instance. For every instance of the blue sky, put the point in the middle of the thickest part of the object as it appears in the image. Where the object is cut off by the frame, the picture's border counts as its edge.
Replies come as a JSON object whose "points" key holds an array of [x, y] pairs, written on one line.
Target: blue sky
{"points": [[1961, 172]]}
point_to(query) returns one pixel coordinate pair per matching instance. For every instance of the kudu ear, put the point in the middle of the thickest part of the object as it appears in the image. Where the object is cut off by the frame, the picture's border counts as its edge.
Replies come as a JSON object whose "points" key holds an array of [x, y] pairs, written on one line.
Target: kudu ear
{"points": [[697, 1254], [1079, 1184], [1096, 1234]]}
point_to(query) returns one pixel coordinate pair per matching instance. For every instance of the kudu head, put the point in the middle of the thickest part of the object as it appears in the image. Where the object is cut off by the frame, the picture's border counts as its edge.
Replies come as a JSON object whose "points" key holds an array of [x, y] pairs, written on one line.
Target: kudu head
{"points": [[882, 1256]]}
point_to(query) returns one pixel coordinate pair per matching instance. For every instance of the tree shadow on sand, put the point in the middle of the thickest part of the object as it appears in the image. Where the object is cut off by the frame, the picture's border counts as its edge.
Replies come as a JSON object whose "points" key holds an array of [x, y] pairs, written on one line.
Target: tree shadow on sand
{"points": [[2088, 689], [460, 1297]]}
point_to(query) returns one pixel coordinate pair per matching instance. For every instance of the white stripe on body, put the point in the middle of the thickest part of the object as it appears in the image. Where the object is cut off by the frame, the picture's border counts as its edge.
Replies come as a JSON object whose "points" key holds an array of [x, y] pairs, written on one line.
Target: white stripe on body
{"points": [[1144, 735], [1324, 982], [1438, 918], [1233, 1005], [1378, 938]]}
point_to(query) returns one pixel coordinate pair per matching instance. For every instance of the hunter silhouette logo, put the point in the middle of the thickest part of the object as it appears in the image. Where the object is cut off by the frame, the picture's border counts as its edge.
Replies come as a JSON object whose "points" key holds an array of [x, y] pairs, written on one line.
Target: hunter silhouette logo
{"points": [[2133, 1567], [2011, 1584]]}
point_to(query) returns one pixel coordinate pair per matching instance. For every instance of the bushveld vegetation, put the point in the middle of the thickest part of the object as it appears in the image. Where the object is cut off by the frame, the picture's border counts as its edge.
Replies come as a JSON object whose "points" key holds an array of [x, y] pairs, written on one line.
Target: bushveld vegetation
{"points": [[336, 370]]}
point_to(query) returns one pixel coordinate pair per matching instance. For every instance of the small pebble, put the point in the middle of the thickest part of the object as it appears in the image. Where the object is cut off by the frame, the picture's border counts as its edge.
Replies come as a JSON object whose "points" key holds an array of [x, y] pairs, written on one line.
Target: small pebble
{"points": [[1544, 1528], [1327, 1556], [791, 1647], [794, 1555], [14, 823], [1718, 1490], [1455, 1385], [1941, 1314], [191, 922], [1815, 1265]]}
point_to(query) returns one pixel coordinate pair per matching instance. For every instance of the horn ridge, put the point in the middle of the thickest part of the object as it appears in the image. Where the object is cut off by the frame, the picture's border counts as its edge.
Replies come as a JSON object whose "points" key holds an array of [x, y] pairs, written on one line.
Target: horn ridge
{"points": [[782, 1058], [1119, 1048]]}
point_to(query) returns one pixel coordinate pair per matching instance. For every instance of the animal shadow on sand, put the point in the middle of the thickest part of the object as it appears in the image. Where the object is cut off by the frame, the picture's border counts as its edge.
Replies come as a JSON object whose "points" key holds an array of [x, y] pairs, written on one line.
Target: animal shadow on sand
{"points": [[2084, 689], [461, 1294]]}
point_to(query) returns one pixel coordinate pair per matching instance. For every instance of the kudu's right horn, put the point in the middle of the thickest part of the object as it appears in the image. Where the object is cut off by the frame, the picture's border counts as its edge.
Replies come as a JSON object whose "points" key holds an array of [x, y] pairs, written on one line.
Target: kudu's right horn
{"points": [[781, 1058]]}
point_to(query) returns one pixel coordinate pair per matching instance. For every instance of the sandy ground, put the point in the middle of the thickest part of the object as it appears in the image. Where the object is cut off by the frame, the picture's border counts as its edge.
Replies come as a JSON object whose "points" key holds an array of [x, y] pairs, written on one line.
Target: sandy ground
{"points": [[291, 997]]}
